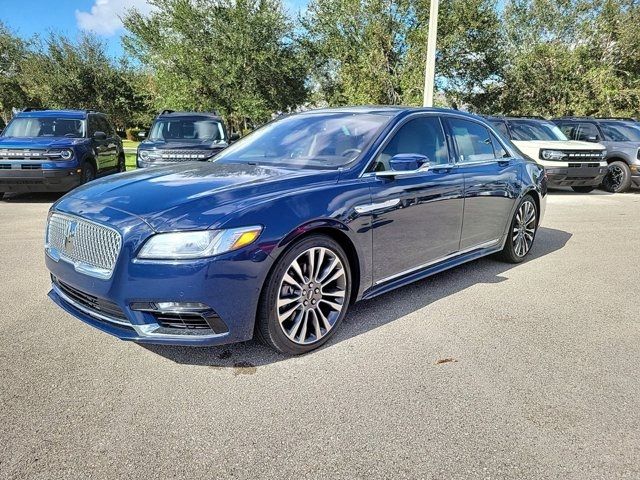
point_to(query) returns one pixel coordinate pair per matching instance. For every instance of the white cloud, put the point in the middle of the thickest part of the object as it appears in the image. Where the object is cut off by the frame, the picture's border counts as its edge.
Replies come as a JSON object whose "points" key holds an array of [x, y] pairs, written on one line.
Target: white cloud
{"points": [[104, 17]]}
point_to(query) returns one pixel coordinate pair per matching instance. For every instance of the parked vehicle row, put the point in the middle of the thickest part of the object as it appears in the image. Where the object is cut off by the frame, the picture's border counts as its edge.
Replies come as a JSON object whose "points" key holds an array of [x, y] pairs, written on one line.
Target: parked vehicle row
{"points": [[289, 226]]}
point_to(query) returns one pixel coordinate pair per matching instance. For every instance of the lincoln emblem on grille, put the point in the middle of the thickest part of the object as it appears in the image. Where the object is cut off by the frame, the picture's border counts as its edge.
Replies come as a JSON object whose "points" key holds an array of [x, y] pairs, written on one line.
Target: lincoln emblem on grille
{"points": [[69, 235]]}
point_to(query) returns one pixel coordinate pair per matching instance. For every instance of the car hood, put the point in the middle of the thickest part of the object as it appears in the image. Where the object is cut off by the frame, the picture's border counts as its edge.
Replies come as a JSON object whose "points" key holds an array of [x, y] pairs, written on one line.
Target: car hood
{"points": [[179, 145], [39, 142], [192, 195], [557, 145]]}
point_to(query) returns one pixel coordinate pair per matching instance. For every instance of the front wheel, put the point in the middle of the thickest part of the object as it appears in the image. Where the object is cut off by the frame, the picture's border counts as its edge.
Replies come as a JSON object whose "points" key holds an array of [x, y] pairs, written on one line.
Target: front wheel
{"points": [[618, 178], [88, 172], [305, 297], [583, 189], [522, 231]]}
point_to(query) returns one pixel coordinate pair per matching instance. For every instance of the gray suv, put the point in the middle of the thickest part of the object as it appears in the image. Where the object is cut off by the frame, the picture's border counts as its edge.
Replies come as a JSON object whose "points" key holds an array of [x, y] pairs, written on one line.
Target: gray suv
{"points": [[621, 136]]}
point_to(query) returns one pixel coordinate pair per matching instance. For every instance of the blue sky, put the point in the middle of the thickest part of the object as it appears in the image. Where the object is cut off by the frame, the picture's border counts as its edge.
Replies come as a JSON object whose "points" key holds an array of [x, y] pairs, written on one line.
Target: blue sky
{"points": [[27, 17]]}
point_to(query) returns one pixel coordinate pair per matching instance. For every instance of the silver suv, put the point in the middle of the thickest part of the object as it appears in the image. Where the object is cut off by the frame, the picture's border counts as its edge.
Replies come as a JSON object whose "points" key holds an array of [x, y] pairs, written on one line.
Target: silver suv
{"points": [[621, 137]]}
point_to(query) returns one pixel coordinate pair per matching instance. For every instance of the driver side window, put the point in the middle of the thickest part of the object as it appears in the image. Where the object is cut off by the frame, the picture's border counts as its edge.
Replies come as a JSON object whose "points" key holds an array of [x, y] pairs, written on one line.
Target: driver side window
{"points": [[423, 136]]}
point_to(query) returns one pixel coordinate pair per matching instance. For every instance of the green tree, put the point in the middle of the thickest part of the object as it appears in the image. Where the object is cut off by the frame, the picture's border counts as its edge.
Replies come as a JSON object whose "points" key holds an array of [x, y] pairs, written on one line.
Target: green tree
{"points": [[13, 51], [61, 73], [469, 54], [357, 49], [236, 56]]}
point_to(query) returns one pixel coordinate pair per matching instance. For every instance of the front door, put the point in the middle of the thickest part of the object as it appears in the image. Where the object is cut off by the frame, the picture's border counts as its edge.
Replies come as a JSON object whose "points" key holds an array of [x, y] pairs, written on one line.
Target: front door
{"points": [[416, 219], [492, 183]]}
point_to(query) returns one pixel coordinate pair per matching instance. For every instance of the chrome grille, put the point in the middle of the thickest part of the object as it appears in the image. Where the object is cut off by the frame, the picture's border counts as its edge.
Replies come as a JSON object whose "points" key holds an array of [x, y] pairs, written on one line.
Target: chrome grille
{"points": [[182, 155], [92, 248]]}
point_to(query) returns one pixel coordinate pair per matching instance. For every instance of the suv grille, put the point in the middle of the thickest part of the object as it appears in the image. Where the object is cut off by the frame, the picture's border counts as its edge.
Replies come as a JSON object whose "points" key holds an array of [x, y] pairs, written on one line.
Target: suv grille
{"points": [[30, 154], [95, 304], [92, 248], [583, 155], [183, 155]]}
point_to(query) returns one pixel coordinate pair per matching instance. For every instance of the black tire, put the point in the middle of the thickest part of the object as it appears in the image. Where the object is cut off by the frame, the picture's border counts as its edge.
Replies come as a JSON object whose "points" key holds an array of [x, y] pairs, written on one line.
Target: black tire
{"points": [[618, 178], [122, 164], [583, 189], [1, 195], [270, 329], [511, 253], [88, 172]]}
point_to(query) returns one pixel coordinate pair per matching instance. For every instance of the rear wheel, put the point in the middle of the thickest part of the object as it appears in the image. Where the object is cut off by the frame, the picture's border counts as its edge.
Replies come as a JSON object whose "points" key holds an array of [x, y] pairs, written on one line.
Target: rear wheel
{"points": [[618, 178], [122, 164], [522, 231], [88, 172], [305, 297], [583, 189]]}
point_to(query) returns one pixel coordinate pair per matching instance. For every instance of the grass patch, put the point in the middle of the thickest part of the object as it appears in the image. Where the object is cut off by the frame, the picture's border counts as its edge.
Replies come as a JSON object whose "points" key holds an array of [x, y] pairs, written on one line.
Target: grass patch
{"points": [[130, 161]]}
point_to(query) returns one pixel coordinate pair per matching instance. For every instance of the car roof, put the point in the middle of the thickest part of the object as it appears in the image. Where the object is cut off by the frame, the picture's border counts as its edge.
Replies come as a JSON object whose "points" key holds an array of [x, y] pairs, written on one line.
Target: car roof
{"points": [[388, 110], [510, 119], [212, 115], [76, 114]]}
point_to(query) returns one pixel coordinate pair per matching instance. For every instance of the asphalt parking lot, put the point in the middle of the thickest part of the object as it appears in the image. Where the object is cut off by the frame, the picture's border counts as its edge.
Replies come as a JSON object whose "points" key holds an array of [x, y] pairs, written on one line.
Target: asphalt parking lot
{"points": [[486, 371]]}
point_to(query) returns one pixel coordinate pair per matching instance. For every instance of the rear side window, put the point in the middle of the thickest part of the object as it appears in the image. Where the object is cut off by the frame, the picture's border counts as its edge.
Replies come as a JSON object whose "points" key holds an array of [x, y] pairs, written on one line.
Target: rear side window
{"points": [[500, 126], [498, 149], [586, 132], [474, 141], [423, 135], [569, 129]]}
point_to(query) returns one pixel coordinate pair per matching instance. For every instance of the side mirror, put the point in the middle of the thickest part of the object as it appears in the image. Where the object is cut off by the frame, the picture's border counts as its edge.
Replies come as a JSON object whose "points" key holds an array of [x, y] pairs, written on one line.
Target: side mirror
{"points": [[234, 137], [142, 135], [592, 139], [100, 136], [406, 164]]}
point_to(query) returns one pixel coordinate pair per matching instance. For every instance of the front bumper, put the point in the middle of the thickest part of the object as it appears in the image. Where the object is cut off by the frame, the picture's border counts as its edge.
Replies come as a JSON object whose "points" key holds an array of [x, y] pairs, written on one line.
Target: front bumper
{"points": [[39, 180], [576, 176], [228, 285]]}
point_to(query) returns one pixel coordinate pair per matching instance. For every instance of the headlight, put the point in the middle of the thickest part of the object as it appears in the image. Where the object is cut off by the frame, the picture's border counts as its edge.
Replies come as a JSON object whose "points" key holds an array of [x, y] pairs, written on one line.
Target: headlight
{"points": [[552, 155], [201, 244], [66, 154], [143, 154]]}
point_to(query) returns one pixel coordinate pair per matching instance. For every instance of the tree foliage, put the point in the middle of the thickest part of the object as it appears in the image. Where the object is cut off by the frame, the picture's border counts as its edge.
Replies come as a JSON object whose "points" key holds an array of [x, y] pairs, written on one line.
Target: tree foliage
{"points": [[239, 57]]}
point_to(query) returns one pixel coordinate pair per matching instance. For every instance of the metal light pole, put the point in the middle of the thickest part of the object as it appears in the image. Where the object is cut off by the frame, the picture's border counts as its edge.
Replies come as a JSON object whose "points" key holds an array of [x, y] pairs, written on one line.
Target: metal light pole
{"points": [[430, 69]]}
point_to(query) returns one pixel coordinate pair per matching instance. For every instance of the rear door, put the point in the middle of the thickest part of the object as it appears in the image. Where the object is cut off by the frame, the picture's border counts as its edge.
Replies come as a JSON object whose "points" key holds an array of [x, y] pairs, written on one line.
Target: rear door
{"points": [[491, 182]]}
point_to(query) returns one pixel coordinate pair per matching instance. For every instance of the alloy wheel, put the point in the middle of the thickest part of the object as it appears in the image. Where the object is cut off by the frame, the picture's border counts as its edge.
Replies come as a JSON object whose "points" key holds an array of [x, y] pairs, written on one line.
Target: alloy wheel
{"points": [[312, 295], [524, 228], [614, 178]]}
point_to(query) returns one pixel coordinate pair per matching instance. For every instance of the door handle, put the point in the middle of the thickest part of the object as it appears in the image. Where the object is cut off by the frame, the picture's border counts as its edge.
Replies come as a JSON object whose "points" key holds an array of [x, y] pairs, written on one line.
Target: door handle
{"points": [[504, 163]]}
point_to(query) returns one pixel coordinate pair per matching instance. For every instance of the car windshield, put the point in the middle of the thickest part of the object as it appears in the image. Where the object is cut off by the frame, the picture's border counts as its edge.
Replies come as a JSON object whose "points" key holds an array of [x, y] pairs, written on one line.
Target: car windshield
{"points": [[535, 130], [316, 140], [195, 129], [45, 127], [620, 131]]}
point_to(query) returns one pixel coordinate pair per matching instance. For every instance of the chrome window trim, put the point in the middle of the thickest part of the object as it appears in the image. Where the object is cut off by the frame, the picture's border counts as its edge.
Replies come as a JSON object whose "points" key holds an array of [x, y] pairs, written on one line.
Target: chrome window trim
{"points": [[442, 116], [438, 260]]}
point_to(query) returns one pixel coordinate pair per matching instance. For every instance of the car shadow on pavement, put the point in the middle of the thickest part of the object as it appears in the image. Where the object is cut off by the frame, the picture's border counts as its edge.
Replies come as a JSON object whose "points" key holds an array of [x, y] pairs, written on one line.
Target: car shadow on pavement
{"points": [[244, 358], [12, 197]]}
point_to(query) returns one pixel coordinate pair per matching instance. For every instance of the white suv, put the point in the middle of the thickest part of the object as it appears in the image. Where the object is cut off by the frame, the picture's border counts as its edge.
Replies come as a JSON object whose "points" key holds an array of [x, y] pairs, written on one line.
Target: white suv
{"points": [[568, 163]]}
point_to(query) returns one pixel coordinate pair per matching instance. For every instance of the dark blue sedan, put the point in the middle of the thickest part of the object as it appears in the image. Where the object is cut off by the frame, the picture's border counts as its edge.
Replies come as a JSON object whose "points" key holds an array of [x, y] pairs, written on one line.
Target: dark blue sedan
{"points": [[283, 230]]}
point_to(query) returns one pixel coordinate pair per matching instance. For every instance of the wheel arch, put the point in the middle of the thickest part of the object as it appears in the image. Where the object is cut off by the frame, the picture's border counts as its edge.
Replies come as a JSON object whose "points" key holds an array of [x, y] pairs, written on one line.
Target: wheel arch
{"points": [[335, 230]]}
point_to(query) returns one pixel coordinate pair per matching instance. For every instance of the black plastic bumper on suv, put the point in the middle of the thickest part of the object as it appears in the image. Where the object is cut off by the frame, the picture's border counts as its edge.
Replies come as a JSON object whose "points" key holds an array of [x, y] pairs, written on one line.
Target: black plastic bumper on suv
{"points": [[35, 179], [576, 175], [635, 175]]}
